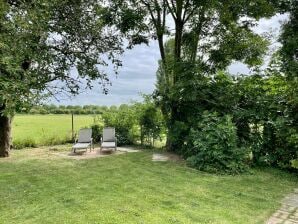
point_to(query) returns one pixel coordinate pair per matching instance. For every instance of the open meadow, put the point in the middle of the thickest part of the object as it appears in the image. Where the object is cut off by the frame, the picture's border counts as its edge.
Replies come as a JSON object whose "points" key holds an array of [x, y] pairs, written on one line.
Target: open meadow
{"points": [[33, 130]]}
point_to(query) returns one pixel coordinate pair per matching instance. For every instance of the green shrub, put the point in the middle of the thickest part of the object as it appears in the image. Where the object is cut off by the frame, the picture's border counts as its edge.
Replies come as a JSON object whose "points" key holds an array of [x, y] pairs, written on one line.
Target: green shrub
{"points": [[213, 145], [124, 121], [96, 132], [279, 144], [286, 135], [151, 124]]}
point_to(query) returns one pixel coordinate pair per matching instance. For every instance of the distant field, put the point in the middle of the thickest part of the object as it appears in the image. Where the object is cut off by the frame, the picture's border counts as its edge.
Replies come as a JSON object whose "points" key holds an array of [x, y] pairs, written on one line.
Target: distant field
{"points": [[32, 130]]}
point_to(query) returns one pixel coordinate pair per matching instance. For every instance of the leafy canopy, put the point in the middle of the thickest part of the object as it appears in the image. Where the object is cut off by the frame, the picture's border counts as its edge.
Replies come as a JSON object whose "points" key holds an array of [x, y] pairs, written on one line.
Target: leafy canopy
{"points": [[42, 41]]}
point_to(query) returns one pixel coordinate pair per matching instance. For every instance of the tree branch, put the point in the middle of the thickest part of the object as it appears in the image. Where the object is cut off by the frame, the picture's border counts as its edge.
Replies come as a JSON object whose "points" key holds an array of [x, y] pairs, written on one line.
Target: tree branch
{"points": [[187, 4], [147, 5], [171, 10], [187, 17]]}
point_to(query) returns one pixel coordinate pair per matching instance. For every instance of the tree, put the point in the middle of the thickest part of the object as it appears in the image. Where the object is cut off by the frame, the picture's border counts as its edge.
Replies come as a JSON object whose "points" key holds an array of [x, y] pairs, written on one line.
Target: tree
{"points": [[289, 57], [287, 128], [289, 41], [207, 36], [40, 42], [150, 120]]}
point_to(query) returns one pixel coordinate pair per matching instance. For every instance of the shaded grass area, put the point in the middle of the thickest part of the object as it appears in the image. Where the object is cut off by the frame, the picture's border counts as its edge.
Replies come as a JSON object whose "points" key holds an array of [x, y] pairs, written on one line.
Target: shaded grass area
{"points": [[37, 187], [34, 130]]}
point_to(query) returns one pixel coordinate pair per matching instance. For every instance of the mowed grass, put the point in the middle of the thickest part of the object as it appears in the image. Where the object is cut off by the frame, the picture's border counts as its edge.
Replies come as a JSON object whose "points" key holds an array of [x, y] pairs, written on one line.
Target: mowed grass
{"points": [[46, 129], [39, 187]]}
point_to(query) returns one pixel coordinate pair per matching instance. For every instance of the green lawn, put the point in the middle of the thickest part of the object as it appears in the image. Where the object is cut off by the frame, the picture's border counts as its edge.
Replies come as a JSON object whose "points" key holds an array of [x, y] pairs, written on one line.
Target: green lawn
{"points": [[46, 129], [38, 187]]}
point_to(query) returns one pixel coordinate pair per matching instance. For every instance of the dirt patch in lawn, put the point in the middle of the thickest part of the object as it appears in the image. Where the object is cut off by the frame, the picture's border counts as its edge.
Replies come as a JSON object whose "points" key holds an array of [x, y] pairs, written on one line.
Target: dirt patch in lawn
{"points": [[160, 157], [94, 153]]}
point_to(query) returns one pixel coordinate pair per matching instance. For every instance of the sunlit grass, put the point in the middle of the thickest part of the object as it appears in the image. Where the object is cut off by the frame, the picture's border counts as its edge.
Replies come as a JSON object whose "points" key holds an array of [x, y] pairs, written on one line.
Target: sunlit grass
{"points": [[38, 187]]}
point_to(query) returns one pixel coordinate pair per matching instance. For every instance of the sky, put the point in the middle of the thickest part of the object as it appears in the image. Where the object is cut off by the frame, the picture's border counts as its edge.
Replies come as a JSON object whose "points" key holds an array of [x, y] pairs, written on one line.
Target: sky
{"points": [[138, 73]]}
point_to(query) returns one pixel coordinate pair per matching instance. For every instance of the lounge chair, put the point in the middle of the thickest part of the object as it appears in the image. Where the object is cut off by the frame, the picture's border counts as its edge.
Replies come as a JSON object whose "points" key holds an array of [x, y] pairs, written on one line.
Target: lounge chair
{"points": [[84, 141], [108, 139]]}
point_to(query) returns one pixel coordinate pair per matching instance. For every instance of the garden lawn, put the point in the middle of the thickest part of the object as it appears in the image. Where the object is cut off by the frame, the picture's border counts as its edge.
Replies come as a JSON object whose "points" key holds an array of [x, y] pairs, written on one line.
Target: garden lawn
{"points": [[46, 129], [39, 187]]}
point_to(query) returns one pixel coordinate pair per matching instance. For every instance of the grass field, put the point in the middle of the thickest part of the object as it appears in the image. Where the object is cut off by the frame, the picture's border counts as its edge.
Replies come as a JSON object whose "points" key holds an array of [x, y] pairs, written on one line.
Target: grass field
{"points": [[31, 130], [39, 187]]}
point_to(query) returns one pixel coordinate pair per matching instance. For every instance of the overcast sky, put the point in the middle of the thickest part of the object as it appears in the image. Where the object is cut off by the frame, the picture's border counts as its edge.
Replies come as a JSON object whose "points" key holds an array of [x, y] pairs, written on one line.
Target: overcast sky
{"points": [[137, 75]]}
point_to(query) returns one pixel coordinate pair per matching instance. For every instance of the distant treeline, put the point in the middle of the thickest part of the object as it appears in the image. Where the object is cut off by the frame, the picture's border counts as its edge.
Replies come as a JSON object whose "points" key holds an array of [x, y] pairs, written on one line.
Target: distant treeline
{"points": [[62, 109]]}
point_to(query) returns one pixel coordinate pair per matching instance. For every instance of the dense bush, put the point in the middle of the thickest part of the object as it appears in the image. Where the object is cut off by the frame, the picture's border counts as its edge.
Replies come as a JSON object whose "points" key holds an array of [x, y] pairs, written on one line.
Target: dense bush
{"points": [[263, 108], [125, 123], [136, 123], [279, 144], [96, 132], [213, 145], [267, 107]]}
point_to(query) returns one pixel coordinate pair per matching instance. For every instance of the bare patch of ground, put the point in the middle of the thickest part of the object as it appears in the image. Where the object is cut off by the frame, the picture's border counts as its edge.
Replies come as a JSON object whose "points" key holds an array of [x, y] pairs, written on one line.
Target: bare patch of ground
{"points": [[62, 151], [158, 157], [94, 153]]}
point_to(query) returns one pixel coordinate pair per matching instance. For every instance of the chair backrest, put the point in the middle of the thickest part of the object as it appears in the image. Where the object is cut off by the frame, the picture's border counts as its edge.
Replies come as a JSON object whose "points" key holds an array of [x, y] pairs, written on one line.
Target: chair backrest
{"points": [[85, 135], [108, 135]]}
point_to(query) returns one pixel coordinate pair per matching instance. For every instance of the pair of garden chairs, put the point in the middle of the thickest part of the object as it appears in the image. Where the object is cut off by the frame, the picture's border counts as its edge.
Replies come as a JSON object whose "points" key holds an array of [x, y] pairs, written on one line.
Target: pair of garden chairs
{"points": [[85, 140]]}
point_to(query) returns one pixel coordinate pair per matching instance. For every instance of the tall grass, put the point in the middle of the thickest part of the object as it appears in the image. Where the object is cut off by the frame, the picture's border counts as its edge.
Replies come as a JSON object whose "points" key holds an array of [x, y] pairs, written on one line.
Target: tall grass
{"points": [[30, 142]]}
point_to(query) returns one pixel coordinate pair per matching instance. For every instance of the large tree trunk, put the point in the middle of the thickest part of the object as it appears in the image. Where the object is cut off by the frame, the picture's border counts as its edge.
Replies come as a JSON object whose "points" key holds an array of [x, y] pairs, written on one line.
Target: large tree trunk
{"points": [[172, 143], [5, 130]]}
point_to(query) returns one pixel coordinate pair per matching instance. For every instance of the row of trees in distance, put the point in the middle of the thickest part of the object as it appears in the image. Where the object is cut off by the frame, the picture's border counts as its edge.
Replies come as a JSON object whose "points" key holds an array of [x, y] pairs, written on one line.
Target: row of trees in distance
{"points": [[70, 109]]}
